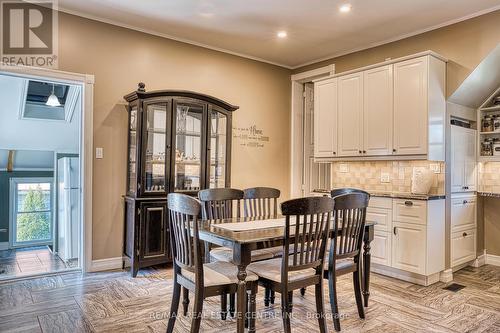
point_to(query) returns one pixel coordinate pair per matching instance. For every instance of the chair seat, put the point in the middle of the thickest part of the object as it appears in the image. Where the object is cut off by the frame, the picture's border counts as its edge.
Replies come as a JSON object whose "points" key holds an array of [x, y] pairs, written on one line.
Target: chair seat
{"points": [[226, 254], [271, 270], [219, 273], [341, 265]]}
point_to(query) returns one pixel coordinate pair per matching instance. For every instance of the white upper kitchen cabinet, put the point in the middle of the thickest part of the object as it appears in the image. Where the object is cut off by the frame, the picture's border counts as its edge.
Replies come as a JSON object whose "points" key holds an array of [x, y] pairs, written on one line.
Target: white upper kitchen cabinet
{"points": [[325, 118], [392, 110], [378, 111], [350, 115], [463, 160]]}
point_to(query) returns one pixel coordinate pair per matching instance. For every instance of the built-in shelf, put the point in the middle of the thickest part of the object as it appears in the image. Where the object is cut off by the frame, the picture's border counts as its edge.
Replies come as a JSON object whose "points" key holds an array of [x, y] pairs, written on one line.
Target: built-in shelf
{"points": [[486, 133], [486, 109], [491, 108]]}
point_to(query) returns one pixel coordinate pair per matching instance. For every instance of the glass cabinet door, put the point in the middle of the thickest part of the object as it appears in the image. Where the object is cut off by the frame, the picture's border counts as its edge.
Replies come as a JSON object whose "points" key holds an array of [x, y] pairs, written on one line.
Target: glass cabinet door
{"points": [[155, 137], [132, 151], [189, 132], [218, 148]]}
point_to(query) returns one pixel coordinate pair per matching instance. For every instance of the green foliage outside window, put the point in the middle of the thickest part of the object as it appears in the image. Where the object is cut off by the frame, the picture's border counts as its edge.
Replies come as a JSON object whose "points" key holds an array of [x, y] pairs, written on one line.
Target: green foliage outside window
{"points": [[34, 224]]}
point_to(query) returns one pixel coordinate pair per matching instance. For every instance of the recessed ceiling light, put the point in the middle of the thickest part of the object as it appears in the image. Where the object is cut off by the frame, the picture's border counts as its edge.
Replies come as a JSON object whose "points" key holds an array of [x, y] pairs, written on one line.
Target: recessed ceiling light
{"points": [[345, 8], [281, 34]]}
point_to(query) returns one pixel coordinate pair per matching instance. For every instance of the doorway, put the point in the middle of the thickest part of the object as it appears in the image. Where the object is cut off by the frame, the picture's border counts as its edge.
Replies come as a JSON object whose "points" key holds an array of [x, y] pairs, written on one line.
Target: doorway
{"points": [[44, 169], [307, 175]]}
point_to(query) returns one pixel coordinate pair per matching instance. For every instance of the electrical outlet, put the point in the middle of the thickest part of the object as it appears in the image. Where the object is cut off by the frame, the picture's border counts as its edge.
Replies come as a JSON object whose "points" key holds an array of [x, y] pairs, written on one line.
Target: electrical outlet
{"points": [[385, 177], [99, 153], [435, 167], [343, 167]]}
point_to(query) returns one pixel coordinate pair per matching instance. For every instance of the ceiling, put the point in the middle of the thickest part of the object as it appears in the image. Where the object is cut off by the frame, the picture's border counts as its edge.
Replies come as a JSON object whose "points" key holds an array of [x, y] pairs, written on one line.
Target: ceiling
{"points": [[316, 28]]}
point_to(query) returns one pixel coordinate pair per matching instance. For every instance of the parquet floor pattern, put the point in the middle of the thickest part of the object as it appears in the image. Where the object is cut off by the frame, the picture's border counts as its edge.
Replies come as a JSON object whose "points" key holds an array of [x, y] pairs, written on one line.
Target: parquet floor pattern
{"points": [[115, 302]]}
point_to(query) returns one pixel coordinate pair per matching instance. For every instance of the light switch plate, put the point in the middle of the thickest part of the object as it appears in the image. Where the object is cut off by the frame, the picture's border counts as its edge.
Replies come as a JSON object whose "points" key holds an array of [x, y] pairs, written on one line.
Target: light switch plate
{"points": [[435, 167], [343, 167], [99, 153], [385, 177]]}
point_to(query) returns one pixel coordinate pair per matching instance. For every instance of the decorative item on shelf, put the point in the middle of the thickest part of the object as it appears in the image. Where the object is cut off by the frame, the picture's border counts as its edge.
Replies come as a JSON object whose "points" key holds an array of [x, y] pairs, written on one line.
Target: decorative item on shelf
{"points": [[496, 100], [496, 147], [487, 124], [486, 147], [496, 122], [422, 179], [181, 118]]}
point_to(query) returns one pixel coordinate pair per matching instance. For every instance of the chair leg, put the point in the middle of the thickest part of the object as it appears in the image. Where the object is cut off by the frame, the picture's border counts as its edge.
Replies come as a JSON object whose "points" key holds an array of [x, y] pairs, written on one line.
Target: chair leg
{"points": [[197, 312], [320, 307], [285, 314], [267, 296], [303, 291], [247, 307], [174, 307], [357, 293], [223, 306], [232, 302], [252, 308], [332, 286], [271, 299], [290, 301], [185, 301]]}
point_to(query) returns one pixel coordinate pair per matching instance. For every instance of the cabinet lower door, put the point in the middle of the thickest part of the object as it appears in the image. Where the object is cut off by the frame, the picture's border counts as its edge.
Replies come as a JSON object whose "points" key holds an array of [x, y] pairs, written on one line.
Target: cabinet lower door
{"points": [[381, 248], [463, 247], [154, 231], [408, 247]]}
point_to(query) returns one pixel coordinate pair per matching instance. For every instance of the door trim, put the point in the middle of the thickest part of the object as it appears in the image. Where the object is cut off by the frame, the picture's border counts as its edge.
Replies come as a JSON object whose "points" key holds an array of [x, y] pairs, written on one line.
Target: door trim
{"points": [[86, 81]]}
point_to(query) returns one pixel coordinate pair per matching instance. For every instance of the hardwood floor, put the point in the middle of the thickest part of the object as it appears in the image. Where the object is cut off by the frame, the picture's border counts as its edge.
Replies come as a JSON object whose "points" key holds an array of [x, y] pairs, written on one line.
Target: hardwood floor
{"points": [[33, 260], [115, 302]]}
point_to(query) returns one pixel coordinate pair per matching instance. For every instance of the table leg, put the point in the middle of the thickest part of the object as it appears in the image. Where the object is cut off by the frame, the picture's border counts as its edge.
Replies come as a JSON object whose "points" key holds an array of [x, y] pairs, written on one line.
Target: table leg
{"points": [[367, 238], [241, 256]]}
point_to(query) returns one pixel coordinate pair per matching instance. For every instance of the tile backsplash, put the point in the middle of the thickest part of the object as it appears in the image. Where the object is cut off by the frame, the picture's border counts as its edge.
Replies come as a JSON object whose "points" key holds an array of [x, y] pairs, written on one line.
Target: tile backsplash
{"points": [[386, 176], [489, 177]]}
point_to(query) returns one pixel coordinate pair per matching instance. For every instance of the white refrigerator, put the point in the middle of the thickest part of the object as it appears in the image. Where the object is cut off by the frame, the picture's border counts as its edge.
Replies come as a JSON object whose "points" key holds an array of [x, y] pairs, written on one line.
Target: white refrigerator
{"points": [[68, 222]]}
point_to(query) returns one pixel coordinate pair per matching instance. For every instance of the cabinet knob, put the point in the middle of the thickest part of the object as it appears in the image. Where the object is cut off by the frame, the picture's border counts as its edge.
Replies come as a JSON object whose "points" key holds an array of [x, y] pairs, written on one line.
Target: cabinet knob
{"points": [[465, 202], [334, 153], [364, 151], [464, 234], [394, 150], [360, 151]]}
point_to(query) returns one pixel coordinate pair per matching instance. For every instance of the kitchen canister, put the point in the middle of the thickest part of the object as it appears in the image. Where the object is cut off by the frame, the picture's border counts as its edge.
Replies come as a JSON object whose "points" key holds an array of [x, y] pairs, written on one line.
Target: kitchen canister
{"points": [[496, 147], [487, 124]]}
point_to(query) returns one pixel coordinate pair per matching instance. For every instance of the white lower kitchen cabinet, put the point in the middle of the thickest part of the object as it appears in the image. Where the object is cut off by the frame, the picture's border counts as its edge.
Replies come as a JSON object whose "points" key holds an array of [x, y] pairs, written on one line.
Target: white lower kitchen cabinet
{"points": [[463, 247], [409, 239]]}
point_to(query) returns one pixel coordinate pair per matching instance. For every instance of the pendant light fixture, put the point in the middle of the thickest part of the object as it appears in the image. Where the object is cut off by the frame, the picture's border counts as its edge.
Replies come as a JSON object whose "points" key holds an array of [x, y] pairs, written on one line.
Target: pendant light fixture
{"points": [[53, 100]]}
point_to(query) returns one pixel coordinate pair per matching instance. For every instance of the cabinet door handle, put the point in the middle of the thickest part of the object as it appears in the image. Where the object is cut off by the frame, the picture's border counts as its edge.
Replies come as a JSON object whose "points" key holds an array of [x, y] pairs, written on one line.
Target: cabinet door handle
{"points": [[395, 230], [465, 202], [409, 203], [464, 234]]}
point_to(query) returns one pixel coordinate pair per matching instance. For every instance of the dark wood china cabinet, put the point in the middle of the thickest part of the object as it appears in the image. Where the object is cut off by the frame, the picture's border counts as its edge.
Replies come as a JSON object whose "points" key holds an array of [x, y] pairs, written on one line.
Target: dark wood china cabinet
{"points": [[178, 141]]}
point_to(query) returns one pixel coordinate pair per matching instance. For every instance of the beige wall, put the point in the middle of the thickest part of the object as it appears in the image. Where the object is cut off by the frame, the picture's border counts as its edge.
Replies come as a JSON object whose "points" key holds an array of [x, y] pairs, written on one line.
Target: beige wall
{"points": [[489, 181], [465, 44], [120, 58]]}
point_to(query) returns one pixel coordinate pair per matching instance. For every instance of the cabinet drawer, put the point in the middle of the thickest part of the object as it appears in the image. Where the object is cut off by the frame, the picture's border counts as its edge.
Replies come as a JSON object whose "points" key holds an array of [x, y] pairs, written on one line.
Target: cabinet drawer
{"points": [[378, 202], [410, 211], [463, 246], [382, 217], [381, 248], [463, 213]]}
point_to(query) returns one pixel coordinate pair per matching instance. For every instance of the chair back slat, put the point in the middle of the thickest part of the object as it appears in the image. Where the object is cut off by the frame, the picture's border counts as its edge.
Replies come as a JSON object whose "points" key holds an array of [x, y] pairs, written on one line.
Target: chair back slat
{"points": [[218, 203], [341, 191], [350, 219], [310, 231], [261, 202], [186, 249]]}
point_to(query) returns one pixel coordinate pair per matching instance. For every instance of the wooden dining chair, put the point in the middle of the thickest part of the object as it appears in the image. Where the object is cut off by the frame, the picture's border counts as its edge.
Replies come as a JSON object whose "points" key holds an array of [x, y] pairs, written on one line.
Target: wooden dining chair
{"points": [[307, 227], [219, 204], [345, 247], [204, 279], [262, 202]]}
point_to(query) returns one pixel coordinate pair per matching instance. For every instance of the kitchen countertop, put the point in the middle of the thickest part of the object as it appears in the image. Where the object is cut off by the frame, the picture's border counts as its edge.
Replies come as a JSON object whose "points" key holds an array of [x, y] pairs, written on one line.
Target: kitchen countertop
{"points": [[488, 194], [397, 195]]}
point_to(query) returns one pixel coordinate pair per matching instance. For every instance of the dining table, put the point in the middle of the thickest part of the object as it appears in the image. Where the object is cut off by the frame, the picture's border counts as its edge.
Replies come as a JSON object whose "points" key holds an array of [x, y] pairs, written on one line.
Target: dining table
{"points": [[244, 235]]}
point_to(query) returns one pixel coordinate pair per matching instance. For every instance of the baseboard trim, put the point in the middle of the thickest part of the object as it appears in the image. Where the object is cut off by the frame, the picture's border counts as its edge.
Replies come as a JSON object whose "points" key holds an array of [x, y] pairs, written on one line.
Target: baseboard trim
{"points": [[446, 275], [406, 276], [106, 264], [4, 246], [480, 260], [492, 260]]}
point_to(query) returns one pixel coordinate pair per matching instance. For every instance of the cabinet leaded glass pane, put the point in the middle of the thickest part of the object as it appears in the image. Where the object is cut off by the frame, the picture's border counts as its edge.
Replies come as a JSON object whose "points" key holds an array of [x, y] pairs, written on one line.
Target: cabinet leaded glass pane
{"points": [[218, 141], [156, 133], [188, 147], [132, 163]]}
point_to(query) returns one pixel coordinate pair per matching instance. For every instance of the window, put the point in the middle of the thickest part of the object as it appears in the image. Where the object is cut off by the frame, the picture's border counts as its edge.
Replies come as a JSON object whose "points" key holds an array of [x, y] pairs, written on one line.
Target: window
{"points": [[31, 211]]}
